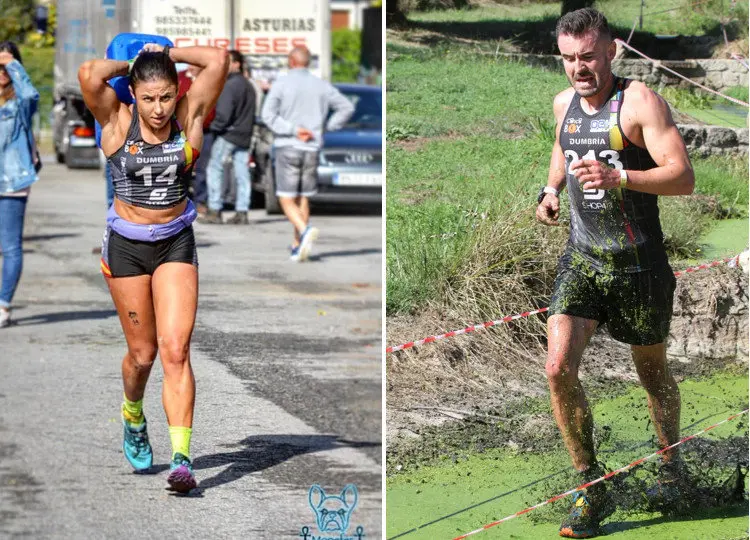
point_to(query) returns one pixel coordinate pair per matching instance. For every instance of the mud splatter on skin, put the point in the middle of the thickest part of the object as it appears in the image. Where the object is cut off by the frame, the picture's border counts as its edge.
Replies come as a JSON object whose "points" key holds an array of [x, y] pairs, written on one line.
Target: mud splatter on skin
{"points": [[134, 318]]}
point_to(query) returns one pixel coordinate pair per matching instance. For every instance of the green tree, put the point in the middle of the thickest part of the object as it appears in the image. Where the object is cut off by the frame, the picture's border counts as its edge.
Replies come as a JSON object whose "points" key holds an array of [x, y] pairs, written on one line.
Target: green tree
{"points": [[15, 18], [346, 46]]}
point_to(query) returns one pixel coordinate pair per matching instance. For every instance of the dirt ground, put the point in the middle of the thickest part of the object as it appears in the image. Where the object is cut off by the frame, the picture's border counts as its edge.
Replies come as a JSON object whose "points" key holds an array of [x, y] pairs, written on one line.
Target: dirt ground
{"points": [[459, 383]]}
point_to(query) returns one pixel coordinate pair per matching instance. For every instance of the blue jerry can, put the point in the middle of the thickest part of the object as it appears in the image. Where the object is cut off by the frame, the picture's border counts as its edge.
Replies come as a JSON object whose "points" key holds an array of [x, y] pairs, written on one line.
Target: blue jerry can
{"points": [[125, 47]]}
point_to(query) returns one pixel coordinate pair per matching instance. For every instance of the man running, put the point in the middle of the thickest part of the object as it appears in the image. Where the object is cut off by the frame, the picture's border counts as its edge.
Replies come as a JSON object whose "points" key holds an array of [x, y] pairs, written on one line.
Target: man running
{"points": [[616, 149]]}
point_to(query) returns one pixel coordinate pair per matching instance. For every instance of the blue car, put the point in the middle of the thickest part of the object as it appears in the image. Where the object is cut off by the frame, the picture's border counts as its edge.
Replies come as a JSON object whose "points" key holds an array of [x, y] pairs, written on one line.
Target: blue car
{"points": [[350, 169]]}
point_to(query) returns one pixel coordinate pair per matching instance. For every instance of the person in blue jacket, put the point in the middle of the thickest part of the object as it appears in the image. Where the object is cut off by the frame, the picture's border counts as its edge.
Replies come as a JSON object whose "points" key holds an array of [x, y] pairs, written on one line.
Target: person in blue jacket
{"points": [[18, 103]]}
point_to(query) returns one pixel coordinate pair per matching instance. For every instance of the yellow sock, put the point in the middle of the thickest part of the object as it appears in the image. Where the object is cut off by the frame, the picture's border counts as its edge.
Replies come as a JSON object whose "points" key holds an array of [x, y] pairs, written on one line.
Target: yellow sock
{"points": [[180, 437], [132, 411]]}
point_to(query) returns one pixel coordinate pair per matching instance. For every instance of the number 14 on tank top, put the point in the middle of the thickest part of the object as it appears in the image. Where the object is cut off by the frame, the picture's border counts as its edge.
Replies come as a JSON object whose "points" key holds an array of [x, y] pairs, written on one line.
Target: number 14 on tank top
{"points": [[169, 176]]}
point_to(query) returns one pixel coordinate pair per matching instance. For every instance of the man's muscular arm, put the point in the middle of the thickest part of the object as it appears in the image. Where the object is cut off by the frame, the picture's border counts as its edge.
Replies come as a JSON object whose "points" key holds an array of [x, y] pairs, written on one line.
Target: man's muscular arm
{"points": [[548, 210], [673, 174]]}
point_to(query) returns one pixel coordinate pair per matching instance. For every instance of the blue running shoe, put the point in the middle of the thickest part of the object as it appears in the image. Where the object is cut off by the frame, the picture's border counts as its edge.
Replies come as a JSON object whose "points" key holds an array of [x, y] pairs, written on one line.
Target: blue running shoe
{"points": [[294, 257], [136, 447], [181, 478], [306, 239]]}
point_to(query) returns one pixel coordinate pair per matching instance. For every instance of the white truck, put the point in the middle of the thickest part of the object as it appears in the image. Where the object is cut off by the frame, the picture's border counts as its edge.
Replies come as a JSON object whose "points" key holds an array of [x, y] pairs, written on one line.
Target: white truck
{"points": [[263, 31]]}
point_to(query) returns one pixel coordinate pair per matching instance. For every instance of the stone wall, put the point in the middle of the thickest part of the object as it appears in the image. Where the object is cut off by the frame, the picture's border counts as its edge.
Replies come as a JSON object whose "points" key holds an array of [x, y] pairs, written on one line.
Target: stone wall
{"points": [[714, 140], [716, 74]]}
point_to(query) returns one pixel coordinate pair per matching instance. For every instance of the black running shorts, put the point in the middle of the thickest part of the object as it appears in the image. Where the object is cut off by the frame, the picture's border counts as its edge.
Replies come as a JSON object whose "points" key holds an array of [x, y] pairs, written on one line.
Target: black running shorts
{"points": [[636, 306], [123, 257]]}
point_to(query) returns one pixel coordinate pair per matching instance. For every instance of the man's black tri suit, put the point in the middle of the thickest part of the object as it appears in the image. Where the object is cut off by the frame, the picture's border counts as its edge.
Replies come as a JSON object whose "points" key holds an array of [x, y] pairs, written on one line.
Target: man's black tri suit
{"points": [[614, 269], [616, 229]]}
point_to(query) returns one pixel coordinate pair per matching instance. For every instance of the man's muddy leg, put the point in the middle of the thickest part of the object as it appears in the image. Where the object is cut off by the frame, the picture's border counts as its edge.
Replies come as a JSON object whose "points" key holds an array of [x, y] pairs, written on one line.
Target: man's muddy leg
{"points": [[567, 338]]}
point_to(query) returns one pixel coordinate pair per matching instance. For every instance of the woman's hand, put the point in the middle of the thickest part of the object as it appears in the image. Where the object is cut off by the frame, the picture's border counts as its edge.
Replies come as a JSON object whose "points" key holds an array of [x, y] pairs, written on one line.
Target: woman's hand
{"points": [[5, 58]]}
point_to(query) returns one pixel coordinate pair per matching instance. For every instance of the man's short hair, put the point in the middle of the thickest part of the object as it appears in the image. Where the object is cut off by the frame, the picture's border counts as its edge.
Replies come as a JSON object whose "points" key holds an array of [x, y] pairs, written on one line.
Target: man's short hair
{"points": [[581, 21], [236, 56]]}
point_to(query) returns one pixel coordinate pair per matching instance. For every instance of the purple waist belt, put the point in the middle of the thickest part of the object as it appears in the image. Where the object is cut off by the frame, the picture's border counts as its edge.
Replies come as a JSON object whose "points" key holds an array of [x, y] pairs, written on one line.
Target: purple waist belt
{"points": [[151, 233]]}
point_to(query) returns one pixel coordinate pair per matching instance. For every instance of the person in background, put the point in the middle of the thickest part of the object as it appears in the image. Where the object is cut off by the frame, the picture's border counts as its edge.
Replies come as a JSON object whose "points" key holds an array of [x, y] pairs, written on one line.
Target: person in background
{"points": [[295, 110], [18, 167], [233, 131]]}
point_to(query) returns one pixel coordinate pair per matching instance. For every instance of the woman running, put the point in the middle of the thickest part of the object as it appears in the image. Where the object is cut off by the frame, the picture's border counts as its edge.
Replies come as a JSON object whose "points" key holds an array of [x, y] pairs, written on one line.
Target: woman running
{"points": [[18, 103], [148, 253]]}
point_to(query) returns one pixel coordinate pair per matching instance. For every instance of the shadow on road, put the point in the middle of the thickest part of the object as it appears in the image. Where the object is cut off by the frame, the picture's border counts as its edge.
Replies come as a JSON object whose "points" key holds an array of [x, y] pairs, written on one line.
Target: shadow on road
{"points": [[260, 452], [345, 253], [43, 237], [64, 316]]}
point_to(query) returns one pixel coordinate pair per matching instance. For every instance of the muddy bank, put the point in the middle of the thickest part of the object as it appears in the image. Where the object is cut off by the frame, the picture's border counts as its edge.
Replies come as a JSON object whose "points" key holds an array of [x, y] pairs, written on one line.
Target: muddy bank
{"points": [[481, 388]]}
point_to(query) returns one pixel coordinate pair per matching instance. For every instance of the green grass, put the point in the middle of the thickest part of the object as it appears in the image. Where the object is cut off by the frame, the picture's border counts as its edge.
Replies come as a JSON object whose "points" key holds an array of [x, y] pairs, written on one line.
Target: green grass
{"points": [[39, 64], [685, 19], [437, 197], [511, 12], [459, 93], [709, 108], [458, 485], [726, 179]]}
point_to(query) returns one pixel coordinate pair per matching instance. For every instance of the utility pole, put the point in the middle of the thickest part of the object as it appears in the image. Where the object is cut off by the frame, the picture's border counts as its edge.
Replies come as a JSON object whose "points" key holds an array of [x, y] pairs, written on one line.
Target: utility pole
{"points": [[640, 17]]}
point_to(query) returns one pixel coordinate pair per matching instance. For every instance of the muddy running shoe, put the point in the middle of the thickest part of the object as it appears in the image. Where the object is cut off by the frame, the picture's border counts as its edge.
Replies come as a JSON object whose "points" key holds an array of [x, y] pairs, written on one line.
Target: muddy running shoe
{"points": [[590, 507], [181, 477], [673, 492], [136, 447]]}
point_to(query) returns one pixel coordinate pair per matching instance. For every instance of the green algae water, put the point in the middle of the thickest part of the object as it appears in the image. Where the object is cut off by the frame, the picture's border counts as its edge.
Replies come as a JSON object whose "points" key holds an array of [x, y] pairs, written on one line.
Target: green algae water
{"points": [[462, 494], [726, 238]]}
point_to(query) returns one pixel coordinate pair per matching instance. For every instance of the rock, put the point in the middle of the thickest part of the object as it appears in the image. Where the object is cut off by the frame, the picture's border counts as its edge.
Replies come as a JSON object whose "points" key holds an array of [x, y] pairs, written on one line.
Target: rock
{"points": [[721, 137], [714, 80], [731, 78], [710, 316], [714, 65]]}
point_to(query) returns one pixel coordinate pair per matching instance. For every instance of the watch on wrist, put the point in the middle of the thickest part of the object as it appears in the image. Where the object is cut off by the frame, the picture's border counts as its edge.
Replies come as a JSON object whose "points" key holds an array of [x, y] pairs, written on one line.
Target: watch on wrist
{"points": [[544, 190], [623, 178], [166, 50]]}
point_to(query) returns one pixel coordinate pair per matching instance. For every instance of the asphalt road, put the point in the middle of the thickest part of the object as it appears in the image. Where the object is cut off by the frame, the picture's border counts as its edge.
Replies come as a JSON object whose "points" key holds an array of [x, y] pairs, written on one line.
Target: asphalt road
{"points": [[287, 360]]}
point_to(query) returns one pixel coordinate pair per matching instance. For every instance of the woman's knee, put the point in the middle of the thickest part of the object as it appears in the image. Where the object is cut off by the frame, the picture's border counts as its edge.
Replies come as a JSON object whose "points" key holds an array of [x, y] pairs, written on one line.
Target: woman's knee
{"points": [[173, 352], [142, 356]]}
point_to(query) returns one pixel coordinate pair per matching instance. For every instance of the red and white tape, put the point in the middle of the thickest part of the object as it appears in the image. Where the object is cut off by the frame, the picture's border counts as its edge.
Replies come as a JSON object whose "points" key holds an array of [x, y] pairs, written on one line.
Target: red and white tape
{"points": [[731, 261], [600, 479]]}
